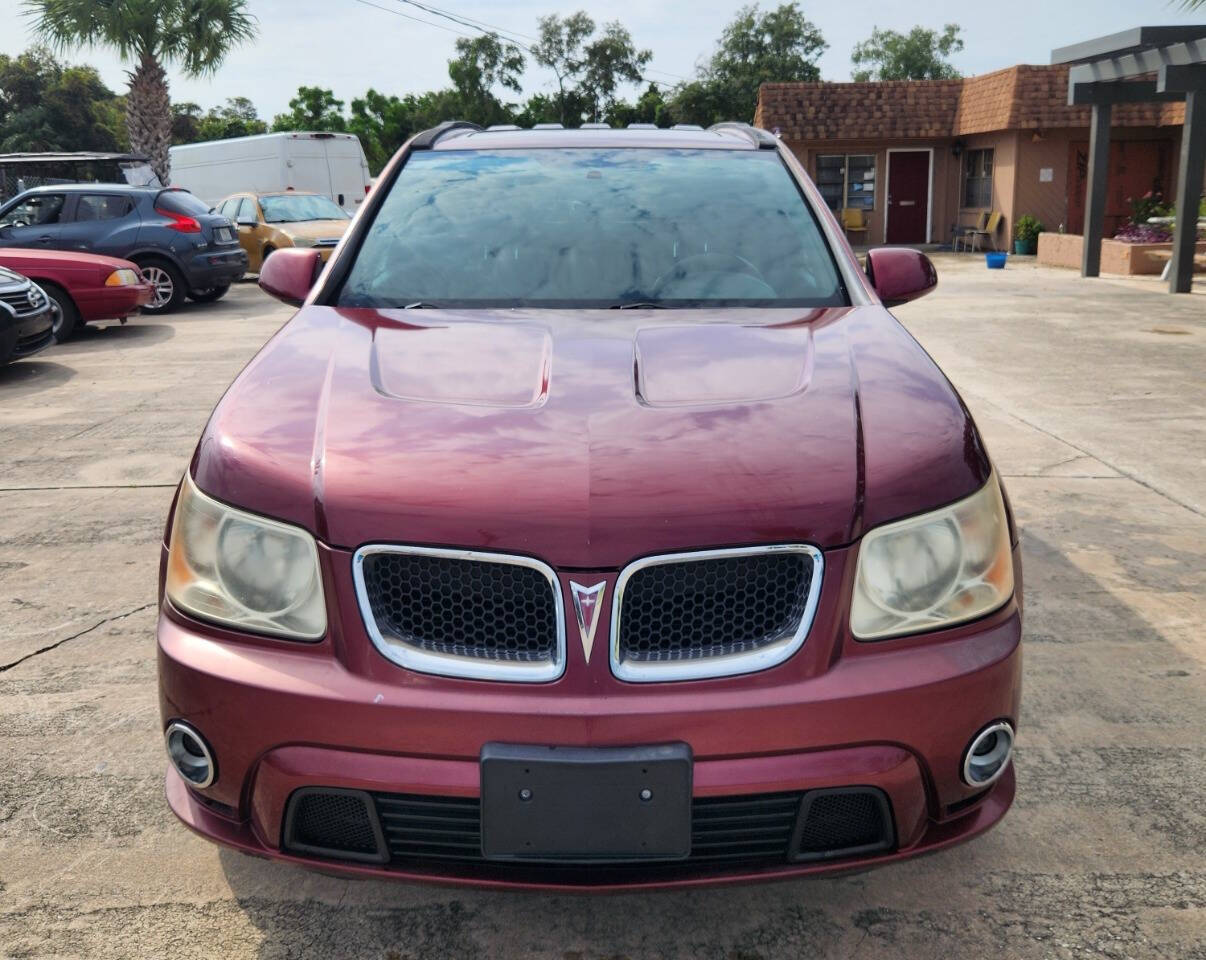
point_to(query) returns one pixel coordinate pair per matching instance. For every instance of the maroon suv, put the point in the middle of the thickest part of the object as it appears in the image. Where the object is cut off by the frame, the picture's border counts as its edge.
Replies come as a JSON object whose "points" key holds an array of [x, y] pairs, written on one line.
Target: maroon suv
{"points": [[593, 524]]}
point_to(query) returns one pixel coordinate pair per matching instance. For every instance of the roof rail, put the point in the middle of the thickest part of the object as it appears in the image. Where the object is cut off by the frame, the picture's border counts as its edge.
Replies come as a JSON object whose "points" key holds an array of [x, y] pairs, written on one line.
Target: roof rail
{"points": [[428, 138], [762, 139], [596, 126], [642, 126], [494, 127], [686, 126], [548, 126]]}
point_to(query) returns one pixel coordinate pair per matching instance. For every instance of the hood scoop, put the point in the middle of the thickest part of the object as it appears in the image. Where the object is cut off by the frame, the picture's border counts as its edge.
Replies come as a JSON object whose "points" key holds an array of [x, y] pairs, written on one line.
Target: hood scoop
{"points": [[720, 363], [502, 365]]}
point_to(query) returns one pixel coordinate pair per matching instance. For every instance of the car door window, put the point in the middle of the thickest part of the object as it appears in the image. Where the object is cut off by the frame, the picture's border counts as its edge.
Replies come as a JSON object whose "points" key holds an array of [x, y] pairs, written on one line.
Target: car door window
{"points": [[101, 207], [40, 210], [230, 208], [247, 211]]}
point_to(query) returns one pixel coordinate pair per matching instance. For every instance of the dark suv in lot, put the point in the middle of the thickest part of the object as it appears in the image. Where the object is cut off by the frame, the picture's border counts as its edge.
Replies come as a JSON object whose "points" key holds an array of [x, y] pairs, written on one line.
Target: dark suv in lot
{"points": [[182, 249]]}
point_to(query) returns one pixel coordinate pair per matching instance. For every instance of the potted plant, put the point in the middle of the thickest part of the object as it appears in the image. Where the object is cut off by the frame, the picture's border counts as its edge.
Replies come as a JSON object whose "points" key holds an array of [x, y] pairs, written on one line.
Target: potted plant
{"points": [[1025, 234]]}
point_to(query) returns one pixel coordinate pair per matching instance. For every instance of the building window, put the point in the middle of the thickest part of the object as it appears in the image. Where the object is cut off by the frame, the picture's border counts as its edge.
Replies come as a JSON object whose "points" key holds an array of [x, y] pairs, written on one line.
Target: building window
{"points": [[847, 180], [977, 179]]}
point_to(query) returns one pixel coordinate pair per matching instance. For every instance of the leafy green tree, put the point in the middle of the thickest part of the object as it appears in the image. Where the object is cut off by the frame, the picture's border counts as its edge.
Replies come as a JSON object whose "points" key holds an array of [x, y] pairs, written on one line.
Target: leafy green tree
{"points": [[919, 54], [540, 108], [650, 107], [195, 35], [776, 46], [560, 49], [589, 69], [314, 108], [382, 123], [609, 60], [46, 106], [236, 118], [482, 64], [186, 122]]}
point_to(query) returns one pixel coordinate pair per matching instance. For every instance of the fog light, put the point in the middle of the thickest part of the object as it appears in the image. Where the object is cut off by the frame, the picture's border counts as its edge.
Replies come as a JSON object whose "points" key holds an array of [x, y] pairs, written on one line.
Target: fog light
{"points": [[988, 754], [189, 754]]}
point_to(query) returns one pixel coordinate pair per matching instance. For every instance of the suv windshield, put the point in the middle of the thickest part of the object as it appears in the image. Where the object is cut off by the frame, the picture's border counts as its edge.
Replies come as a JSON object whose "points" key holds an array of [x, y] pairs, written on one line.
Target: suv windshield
{"points": [[298, 207], [593, 228]]}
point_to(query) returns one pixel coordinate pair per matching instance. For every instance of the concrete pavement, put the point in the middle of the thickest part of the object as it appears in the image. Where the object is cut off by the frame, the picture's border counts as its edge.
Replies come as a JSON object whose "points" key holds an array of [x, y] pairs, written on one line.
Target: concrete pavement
{"points": [[1092, 399]]}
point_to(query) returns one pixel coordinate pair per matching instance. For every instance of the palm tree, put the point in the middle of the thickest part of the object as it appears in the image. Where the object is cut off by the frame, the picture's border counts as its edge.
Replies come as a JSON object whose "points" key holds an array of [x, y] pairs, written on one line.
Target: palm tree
{"points": [[195, 35]]}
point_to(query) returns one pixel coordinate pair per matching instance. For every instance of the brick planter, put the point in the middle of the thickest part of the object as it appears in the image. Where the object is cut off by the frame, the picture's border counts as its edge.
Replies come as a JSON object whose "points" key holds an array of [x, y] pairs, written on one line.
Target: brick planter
{"points": [[1129, 259]]}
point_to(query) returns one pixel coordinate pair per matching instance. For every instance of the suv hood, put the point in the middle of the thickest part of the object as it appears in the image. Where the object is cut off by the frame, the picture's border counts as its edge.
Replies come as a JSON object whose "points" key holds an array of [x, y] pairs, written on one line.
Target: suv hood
{"points": [[587, 438]]}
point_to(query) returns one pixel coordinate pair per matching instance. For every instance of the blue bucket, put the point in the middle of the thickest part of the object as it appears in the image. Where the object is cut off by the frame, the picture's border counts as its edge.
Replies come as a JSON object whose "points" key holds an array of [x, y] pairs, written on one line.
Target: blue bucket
{"points": [[995, 260]]}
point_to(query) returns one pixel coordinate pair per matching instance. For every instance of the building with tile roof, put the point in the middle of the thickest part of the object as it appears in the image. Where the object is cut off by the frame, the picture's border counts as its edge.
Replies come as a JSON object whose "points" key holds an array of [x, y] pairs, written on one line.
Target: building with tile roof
{"points": [[920, 160]]}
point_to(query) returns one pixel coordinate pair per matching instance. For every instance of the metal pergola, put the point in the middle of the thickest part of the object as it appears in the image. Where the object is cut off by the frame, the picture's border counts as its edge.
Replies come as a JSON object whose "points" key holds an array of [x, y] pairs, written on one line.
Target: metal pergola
{"points": [[1118, 69]]}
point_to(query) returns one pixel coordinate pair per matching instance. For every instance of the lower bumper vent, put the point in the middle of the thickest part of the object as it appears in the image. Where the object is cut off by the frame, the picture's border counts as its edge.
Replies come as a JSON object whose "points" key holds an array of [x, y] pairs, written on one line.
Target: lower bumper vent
{"points": [[334, 823], [409, 830], [843, 822]]}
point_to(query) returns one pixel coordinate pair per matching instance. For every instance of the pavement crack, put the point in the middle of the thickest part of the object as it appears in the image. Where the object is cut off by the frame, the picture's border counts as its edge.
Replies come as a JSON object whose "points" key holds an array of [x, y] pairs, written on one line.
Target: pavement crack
{"points": [[1130, 475], [74, 636]]}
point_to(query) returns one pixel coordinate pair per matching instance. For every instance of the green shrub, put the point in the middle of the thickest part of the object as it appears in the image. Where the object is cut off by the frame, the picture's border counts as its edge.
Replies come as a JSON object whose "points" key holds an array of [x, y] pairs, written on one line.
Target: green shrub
{"points": [[1027, 229]]}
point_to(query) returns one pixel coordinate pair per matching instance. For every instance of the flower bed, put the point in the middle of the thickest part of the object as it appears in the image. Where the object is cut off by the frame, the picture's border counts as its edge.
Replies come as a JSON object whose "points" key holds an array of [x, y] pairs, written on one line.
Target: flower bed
{"points": [[1117, 256]]}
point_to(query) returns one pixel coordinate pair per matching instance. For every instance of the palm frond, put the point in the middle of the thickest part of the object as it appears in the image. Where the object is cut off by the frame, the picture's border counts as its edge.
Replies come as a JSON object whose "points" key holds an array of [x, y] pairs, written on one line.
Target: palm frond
{"points": [[205, 31]]}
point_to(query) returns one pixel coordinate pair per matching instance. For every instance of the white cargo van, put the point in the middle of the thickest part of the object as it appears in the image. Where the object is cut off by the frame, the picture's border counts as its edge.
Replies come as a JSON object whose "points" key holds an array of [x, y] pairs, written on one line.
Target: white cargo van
{"points": [[329, 163]]}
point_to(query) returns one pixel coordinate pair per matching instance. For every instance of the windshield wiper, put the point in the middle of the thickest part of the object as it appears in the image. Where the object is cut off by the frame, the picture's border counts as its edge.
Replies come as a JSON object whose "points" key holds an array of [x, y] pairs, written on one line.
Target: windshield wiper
{"points": [[422, 305], [639, 305]]}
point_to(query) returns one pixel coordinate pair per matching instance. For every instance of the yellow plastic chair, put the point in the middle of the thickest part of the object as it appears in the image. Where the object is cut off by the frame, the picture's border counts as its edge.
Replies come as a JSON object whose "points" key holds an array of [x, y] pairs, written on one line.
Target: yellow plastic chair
{"points": [[969, 233], [989, 232], [853, 221]]}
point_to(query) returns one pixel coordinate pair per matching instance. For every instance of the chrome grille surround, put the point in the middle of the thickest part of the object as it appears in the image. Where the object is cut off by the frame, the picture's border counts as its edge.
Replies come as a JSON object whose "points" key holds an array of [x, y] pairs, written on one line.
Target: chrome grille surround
{"points": [[451, 664], [23, 299], [762, 657]]}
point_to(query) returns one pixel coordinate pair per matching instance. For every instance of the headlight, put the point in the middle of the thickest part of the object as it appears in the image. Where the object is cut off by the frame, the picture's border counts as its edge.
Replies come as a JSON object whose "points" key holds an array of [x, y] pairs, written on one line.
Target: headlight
{"points": [[124, 277], [303, 241], [244, 571], [934, 570]]}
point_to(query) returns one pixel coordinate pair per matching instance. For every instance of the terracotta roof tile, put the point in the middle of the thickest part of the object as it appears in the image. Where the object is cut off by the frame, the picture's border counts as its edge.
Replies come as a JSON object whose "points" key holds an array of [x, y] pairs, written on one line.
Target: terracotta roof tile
{"points": [[1022, 97]]}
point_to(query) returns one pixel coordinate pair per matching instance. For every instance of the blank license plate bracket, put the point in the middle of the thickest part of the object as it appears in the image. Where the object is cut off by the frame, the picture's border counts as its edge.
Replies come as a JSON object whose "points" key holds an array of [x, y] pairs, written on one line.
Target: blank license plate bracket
{"points": [[586, 804]]}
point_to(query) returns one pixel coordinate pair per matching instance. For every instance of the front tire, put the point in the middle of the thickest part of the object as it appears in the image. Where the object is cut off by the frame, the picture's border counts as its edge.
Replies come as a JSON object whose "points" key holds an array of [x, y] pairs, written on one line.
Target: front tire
{"points": [[209, 294], [67, 323], [167, 284]]}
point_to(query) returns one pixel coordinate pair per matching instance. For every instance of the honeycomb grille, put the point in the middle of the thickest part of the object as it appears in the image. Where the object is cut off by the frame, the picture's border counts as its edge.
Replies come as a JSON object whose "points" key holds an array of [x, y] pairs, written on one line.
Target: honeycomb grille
{"points": [[333, 821], [476, 608], [715, 607], [843, 821]]}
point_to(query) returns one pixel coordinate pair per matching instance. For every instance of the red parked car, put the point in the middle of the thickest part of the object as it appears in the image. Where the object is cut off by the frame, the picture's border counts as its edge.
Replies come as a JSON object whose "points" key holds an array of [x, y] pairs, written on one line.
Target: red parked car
{"points": [[593, 524], [86, 287]]}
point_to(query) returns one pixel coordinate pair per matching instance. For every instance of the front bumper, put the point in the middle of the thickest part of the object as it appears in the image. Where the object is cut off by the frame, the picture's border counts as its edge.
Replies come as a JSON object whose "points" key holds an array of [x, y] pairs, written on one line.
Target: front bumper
{"points": [[895, 716], [113, 303], [25, 336]]}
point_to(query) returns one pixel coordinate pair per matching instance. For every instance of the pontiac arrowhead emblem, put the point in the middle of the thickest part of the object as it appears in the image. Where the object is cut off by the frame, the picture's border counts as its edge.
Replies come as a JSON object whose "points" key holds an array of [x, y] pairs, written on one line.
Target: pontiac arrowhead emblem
{"points": [[587, 601]]}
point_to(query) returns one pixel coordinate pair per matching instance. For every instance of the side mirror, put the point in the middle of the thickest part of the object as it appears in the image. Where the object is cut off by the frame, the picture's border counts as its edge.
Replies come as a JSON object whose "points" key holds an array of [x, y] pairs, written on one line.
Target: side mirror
{"points": [[290, 273], [900, 275]]}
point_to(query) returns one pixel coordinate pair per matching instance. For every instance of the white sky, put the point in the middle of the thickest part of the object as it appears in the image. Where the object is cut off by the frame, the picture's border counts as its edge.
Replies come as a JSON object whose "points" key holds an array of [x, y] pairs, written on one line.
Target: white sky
{"points": [[348, 46]]}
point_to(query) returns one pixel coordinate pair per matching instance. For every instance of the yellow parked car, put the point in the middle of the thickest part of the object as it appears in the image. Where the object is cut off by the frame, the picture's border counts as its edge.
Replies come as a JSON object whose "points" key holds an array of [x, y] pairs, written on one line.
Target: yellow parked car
{"points": [[269, 221]]}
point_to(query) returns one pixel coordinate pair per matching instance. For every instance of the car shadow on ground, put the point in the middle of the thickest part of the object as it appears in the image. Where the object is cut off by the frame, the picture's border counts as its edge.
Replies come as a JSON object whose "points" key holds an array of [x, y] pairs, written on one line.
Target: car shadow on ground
{"points": [[1037, 878], [32, 376]]}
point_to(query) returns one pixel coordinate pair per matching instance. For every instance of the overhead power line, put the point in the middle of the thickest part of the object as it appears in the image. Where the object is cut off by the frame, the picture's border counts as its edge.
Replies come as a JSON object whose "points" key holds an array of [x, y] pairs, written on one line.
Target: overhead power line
{"points": [[503, 33]]}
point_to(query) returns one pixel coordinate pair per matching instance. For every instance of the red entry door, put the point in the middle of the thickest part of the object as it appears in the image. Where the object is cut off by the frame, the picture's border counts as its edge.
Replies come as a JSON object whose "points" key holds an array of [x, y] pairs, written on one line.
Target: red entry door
{"points": [[908, 196]]}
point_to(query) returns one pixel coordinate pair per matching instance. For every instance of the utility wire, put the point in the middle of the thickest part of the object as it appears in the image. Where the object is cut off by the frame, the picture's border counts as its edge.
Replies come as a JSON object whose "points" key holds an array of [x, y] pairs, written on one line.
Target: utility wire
{"points": [[509, 35]]}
